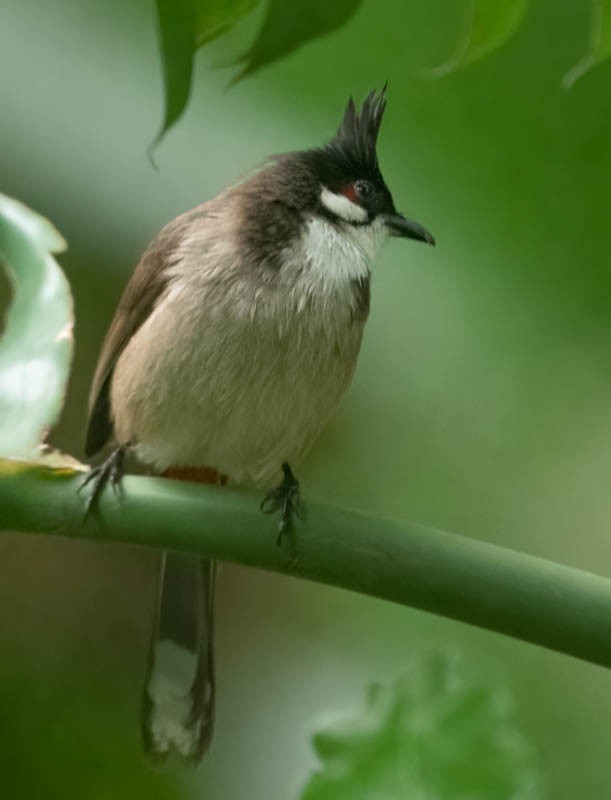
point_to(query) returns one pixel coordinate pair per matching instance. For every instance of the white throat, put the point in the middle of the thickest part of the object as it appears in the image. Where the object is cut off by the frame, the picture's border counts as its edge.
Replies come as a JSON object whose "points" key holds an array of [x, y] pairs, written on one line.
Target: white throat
{"points": [[338, 254]]}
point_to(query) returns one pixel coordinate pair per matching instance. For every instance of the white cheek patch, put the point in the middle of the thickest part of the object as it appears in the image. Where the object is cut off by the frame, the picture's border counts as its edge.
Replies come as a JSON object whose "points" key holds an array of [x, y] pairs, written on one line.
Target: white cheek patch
{"points": [[342, 207]]}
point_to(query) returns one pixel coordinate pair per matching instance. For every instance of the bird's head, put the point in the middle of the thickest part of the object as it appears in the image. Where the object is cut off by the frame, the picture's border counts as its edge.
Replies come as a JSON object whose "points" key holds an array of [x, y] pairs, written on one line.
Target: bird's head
{"points": [[342, 181]]}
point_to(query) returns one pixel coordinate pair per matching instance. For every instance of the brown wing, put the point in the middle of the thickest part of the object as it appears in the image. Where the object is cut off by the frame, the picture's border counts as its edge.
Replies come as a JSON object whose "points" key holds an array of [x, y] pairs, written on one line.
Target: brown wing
{"points": [[139, 299]]}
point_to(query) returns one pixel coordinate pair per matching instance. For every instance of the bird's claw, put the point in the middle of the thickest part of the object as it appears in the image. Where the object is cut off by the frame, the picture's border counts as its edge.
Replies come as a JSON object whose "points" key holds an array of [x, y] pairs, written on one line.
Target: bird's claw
{"points": [[110, 470], [287, 498]]}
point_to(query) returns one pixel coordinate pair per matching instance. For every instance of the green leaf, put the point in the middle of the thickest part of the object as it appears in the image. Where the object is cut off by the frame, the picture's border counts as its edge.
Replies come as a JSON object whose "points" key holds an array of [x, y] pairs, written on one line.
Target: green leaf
{"points": [[599, 47], [288, 25], [215, 17], [36, 348], [176, 21], [184, 26], [430, 736], [490, 24]]}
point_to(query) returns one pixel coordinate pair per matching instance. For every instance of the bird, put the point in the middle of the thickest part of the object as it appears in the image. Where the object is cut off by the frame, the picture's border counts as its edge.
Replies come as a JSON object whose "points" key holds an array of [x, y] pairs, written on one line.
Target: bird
{"points": [[232, 345]]}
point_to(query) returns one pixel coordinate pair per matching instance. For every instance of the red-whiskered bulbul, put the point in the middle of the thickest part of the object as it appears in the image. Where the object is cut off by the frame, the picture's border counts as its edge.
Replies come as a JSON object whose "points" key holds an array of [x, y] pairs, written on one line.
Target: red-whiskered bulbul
{"points": [[234, 341]]}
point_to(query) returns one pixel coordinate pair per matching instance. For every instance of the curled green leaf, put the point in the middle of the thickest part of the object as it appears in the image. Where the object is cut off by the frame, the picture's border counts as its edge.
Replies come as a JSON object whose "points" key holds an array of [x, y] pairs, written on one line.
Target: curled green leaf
{"points": [[36, 347], [490, 23], [599, 46], [432, 734]]}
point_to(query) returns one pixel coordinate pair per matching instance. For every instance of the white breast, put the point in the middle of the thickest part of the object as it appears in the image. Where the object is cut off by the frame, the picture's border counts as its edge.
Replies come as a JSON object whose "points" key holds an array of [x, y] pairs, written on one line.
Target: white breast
{"points": [[240, 374]]}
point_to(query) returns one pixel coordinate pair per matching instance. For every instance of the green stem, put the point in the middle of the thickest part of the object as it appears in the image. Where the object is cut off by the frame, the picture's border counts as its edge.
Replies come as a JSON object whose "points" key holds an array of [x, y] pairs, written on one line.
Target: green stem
{"points": [[513, 593]]}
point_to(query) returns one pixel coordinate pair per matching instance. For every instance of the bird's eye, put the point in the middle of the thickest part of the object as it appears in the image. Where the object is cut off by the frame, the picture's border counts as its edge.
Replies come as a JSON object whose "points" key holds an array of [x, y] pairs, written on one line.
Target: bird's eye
{"points": [[363, 189]]}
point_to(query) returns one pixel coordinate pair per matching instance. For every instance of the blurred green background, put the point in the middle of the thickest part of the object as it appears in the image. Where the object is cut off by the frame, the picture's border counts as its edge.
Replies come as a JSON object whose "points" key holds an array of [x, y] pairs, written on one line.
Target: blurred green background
{"points": [[481, 403]]}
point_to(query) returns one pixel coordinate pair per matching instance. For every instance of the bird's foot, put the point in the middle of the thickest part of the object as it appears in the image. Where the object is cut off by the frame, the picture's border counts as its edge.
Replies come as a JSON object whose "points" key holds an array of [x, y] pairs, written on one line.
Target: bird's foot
{"points": [[109, 470], [286, 498]]}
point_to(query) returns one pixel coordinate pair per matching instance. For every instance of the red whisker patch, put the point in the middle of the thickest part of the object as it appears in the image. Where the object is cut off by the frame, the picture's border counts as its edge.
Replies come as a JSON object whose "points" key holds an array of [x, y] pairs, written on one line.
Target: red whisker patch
{"points": [[350, 192]]}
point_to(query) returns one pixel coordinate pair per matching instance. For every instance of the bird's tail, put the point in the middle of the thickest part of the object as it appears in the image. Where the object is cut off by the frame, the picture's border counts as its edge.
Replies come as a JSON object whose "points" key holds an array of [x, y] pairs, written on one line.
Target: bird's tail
{"points": [[178, 707]]}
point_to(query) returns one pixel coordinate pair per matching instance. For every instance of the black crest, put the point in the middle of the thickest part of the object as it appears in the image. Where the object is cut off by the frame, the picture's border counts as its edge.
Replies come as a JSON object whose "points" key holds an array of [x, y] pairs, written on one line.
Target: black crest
{"points": [[357, 136]]}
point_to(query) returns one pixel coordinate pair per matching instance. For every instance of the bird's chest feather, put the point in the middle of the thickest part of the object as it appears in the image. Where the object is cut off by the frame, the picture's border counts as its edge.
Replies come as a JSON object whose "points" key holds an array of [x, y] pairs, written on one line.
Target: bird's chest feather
{"points": [[243, 372]]}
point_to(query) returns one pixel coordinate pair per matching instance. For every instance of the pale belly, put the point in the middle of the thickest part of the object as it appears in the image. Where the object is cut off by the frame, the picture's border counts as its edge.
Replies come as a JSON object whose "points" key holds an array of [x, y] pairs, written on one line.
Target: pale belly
{"points": [[236, 392]]}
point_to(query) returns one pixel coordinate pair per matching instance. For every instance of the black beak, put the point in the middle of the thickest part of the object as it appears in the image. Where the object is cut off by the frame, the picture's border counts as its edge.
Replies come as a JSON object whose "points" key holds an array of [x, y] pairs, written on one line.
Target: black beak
{"points": [[399, 226]]}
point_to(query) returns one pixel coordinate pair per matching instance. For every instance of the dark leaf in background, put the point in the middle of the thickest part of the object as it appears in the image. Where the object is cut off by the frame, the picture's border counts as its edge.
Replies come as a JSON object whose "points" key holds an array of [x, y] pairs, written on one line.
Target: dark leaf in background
{"points": [[184, 26], [430, 735], [36, 347], [490, 23], [599, 47], [177, 36], [216, 17], [288, 25]]}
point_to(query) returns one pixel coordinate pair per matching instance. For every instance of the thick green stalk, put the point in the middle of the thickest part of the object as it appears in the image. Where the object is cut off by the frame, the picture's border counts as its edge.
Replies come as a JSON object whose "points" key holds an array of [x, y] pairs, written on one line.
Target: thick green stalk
{"points": [[512, 593]]}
